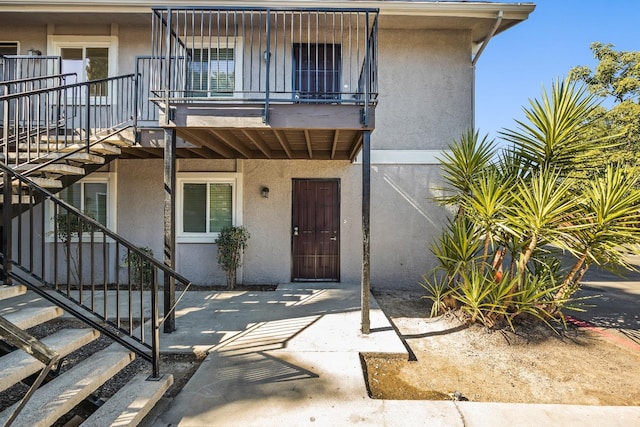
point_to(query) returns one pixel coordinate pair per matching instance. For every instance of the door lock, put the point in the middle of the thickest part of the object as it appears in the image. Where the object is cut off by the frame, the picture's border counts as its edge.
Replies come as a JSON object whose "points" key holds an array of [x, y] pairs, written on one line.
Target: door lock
{"points": [[295, 231]]}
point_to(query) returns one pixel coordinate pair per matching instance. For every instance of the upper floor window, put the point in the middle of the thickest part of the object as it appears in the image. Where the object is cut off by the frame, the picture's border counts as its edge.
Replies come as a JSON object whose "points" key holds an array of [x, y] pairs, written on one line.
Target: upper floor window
{"points": [[216, 70], [8, 48], [88, 63], [89, 57]]}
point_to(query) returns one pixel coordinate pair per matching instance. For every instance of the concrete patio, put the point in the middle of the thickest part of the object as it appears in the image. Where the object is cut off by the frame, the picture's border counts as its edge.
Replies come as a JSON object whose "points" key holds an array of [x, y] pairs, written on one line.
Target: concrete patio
{"points": [[292, 357]]}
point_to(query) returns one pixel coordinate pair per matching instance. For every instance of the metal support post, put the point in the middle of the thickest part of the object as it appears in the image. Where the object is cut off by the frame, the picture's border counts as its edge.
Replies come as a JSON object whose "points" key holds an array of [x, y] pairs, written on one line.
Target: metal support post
{"points": [[169, 226], [366, 247]]}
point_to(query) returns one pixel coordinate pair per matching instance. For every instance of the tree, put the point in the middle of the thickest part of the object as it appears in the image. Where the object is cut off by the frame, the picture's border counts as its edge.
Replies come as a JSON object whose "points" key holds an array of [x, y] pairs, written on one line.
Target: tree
{"points": [[616, 80], [500, 256]]}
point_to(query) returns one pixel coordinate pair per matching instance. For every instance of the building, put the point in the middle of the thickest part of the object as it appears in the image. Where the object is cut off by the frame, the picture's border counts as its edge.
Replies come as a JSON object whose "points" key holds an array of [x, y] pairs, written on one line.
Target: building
{"points": [[264, 168], [131, 127]]}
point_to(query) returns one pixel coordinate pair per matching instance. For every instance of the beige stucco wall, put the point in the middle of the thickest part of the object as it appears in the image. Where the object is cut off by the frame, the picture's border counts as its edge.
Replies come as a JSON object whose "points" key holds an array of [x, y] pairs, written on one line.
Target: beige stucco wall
{"points": [[425, 84], [268, 257]]}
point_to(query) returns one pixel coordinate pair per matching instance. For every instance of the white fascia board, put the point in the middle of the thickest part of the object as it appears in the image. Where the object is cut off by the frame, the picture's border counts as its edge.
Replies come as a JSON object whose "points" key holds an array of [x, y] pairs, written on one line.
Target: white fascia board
{"points": [[404, 157], [518, 11]]}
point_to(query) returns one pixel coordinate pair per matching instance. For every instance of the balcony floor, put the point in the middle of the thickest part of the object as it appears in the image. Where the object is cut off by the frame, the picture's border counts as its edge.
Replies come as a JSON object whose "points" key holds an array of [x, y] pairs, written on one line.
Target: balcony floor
{"points": [[238, 131]]}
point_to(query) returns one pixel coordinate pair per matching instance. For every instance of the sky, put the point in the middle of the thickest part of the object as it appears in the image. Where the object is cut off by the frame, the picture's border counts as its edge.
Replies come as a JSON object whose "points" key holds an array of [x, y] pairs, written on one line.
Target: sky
{"points": [[555, 38]]}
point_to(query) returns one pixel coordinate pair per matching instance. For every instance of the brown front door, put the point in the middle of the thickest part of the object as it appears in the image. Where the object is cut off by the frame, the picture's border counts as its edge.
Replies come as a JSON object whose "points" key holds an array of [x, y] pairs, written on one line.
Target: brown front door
{"points": [[316, 230]]}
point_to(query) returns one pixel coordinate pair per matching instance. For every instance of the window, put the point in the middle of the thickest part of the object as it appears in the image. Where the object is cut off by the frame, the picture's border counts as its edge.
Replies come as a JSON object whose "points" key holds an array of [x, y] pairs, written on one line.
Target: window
{"points": [[94, 196], [88, 197], [88, 63], [8, 48], [216, 71], [90, 57], [206, 204]]}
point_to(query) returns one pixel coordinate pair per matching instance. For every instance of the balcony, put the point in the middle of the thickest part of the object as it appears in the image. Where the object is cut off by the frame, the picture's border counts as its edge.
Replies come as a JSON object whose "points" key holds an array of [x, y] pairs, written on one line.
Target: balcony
{"points": [[266, 83]]}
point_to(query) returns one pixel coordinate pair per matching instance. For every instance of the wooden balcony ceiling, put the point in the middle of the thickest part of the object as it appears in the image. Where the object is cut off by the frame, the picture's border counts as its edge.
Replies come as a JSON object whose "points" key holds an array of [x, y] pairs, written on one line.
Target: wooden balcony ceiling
{"points": [[308, 144], [277, 144]]}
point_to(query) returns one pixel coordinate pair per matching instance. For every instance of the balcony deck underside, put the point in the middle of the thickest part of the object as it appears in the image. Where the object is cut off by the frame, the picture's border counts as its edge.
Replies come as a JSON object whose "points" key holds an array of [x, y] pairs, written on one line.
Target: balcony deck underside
{"points": [[298, 131]]}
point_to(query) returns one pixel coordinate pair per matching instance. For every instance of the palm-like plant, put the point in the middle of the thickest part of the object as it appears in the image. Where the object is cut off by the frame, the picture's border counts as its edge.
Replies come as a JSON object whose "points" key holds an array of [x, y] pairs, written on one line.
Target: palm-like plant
{"points": [[557, 132], [467, 158], [610, 223], [528, 201]]}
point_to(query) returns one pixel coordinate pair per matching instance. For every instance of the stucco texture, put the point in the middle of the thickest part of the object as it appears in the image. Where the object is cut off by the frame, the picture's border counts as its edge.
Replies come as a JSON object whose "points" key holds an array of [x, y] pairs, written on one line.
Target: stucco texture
{"points": [[425, 85]]}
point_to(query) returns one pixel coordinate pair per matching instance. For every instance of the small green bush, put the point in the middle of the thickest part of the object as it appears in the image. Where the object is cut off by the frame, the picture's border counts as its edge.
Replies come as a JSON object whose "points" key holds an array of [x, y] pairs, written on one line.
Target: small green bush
{"points": [[231, 242]]}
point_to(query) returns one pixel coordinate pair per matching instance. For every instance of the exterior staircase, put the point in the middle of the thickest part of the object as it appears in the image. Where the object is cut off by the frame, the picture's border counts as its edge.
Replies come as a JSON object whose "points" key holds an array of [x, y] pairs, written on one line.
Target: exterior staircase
{"points": [[61, 394], [39, 157]]}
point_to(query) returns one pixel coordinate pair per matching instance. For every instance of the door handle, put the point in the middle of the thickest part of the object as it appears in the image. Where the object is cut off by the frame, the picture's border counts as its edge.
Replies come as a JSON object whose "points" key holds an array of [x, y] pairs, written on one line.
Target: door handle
{"points": [[333, 238], [295, 231]]}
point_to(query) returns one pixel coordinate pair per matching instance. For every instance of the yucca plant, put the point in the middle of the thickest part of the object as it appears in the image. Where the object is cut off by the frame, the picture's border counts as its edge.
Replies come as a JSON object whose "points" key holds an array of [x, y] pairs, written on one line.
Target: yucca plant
{"points": [[518, 209], [437, 287]]}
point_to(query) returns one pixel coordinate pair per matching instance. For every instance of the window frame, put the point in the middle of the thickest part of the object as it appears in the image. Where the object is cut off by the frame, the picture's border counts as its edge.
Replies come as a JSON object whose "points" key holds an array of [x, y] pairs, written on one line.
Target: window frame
{"points": [[235, 179], [237, 45], [108, 178], [16, 43], [57, 43]]}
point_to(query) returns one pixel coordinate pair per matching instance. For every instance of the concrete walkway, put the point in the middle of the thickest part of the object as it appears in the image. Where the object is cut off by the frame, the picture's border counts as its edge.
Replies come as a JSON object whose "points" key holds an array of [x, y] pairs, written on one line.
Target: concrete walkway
{"points": [[292, 357]]}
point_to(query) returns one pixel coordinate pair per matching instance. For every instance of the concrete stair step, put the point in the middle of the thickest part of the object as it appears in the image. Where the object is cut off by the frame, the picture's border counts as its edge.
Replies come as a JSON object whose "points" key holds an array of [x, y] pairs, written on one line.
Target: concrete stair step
{"points": [[59, 396], [42, 182], [12, 291], [83, 158], [29, 317], [18, 365], [132, 402], [52, 147], [124, 138], [54, 168]]}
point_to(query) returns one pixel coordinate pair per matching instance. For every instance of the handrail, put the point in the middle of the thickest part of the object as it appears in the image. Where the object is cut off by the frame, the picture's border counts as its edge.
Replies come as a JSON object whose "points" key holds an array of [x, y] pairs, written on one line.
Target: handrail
{"points": [[107, 105], [63, 87], [265, 45], [31, 79], [51, 197], [265, 8], [27, 243]]}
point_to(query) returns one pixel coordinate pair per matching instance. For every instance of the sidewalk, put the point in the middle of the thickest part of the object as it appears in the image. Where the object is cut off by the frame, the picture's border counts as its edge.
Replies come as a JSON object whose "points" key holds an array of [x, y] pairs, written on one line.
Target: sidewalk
{"points": [[292, 357]]}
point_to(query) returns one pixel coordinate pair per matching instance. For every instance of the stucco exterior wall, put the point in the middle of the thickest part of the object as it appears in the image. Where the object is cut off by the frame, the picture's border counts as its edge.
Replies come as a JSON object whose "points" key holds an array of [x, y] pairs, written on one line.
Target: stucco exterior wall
{"points": [[425, 101], [425, 85], [28, 37], [268, 256]]}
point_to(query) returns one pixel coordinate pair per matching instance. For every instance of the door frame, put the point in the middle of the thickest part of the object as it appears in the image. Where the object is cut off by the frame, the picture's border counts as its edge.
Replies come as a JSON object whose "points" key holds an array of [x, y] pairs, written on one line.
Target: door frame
{"points": [[337, 279]]}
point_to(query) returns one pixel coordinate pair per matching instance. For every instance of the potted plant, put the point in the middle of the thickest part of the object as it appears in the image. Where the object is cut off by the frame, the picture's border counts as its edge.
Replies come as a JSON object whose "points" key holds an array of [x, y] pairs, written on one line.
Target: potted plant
{"points": [[231, 242]]}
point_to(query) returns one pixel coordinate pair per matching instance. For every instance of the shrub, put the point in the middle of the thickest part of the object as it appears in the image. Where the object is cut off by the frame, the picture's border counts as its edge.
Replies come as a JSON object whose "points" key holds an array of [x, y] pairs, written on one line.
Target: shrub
{"points": [[517, 211], [231, 242]]}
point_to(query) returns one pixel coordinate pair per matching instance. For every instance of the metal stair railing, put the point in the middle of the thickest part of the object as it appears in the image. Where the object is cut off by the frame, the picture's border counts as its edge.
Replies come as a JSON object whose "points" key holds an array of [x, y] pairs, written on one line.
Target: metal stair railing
{"points": [[37, 123], [16, 67], [80, 265]]}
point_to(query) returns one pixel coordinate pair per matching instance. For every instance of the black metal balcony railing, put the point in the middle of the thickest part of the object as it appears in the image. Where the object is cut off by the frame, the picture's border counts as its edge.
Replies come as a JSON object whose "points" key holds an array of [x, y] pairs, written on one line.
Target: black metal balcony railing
{"points": [[17, 67], [36, 122], [264, 55]]}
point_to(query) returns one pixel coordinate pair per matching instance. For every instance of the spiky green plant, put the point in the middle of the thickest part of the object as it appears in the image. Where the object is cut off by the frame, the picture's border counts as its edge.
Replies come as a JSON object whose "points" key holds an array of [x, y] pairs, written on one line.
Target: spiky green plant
{"points": [[518, 209]]}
